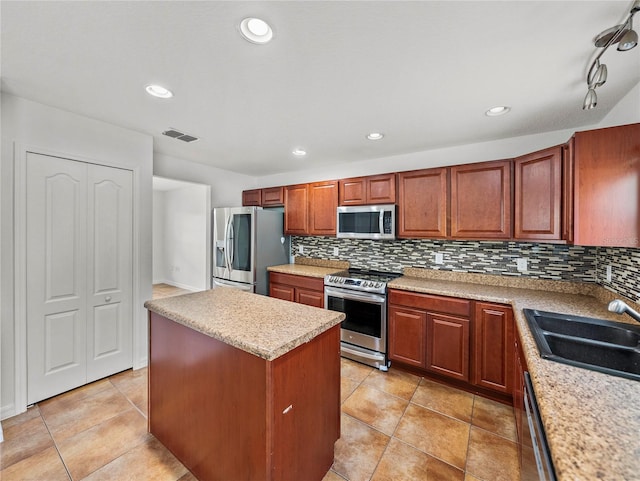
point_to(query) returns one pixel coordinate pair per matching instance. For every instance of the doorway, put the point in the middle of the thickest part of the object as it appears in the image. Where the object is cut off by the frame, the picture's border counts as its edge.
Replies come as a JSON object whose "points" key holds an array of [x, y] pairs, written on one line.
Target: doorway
{"points": [[181, 234]]}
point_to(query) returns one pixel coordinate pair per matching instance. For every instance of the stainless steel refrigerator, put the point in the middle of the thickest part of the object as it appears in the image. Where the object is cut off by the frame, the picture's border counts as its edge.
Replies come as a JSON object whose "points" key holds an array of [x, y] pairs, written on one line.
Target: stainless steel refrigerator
{"points": [[247, 240]]}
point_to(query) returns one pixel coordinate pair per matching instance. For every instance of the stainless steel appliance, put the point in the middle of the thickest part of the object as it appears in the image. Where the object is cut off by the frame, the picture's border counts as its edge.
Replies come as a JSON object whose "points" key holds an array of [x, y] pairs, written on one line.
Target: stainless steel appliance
{"points": [[247, 240], [367, 221], [536, 458], [362, 297]]}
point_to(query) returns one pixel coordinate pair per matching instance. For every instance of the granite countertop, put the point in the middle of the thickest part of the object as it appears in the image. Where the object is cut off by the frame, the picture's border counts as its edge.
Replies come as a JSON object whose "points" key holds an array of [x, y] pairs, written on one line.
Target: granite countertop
{"points": [[310, 267], [260, 325], [592, 420]]}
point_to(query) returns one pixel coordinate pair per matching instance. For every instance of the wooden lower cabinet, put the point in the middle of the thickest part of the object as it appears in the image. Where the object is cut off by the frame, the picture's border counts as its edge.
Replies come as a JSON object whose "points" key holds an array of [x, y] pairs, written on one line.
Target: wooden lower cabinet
{"points": [[493, 341], [467, 342], [294, 288], [448, 345], [227, 414], [407, 336]]}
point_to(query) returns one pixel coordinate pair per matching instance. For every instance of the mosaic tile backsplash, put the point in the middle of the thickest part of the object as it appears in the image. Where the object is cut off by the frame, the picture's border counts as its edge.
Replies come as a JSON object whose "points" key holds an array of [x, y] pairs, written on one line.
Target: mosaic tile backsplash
{"points": [[544, 261]]}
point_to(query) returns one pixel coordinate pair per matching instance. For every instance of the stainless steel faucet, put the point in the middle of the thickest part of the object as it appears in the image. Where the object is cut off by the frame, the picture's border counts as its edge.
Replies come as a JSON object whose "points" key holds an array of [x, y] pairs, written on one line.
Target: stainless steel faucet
{"points": [[620, 307]]}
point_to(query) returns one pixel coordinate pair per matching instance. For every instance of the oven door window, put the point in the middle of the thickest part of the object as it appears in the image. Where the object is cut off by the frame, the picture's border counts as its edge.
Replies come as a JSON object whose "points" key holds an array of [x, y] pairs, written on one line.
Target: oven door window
{"points": [[362, 317]]}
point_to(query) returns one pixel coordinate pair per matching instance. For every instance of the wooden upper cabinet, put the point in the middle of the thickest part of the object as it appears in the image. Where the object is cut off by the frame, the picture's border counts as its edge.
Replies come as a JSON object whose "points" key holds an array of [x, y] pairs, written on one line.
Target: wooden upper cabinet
{"points": [[567, 191], [607, 187], [296, 208], [481, 200], [538, 195], [273, 196], [252, 197], [422, 203], [323, 205], [374, 189]]}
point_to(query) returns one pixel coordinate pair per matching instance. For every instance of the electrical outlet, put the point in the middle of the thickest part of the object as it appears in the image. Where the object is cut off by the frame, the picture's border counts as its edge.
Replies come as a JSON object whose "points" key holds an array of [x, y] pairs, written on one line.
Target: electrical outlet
{"points": [[336, 252], [300, 249], [522, 264], [609, 273], [439, 258]]}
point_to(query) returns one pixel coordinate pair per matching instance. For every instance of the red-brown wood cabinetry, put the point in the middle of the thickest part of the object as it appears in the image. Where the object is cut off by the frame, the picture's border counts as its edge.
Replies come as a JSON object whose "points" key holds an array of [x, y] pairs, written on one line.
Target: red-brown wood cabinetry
{"points": [[228, 414], [300, 289], [252, 197], [606, 168], [481, 200], [407, 336], [422, 203], [374, 189], [323, 205], [493, 347], [296, 209], [538, 195], [469, 342]]}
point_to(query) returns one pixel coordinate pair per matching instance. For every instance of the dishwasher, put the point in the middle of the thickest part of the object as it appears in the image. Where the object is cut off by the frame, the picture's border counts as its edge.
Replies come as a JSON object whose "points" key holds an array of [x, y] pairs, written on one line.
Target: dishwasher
{"points": [[536, 458]]}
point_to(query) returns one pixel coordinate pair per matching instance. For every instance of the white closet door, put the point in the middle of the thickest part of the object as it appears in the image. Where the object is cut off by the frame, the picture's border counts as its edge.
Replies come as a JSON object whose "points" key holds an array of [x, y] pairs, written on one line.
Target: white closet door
{"points": [[110, 282], [79, 273], [56, 210]]}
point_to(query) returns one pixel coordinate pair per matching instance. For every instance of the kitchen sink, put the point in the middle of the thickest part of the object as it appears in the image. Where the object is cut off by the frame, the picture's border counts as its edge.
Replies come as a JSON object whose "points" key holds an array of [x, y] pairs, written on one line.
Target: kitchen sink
{"points": [[596, 344]]}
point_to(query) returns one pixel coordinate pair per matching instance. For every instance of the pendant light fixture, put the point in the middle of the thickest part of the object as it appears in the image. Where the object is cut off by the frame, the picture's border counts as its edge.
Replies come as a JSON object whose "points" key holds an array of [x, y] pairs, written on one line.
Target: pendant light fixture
{"points": [[625, 37]]}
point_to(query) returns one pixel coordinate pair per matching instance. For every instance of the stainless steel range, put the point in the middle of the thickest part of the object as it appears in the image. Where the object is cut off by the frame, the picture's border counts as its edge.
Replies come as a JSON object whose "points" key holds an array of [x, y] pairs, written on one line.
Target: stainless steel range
{"points": [[362, 296]]}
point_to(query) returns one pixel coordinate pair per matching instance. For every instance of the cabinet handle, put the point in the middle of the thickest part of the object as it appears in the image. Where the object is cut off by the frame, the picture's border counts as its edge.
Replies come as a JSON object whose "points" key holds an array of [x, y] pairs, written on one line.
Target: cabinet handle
{"points": [[107, 299], [287, 409]]}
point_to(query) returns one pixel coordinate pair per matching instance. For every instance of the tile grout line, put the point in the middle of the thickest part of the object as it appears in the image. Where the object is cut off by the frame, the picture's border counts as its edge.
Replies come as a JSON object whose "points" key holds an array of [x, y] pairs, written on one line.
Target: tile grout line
{"points": [[55, 444]]}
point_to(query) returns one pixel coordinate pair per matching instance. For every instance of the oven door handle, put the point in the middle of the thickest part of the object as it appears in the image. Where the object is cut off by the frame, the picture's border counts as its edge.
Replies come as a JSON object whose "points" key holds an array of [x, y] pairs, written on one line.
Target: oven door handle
{"points": [[341, 294]]}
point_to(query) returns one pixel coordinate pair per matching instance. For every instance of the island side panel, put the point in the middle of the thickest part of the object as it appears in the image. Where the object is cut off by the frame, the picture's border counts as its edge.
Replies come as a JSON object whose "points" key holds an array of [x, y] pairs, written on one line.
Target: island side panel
{"points": [[207, 402], [306, 408]]}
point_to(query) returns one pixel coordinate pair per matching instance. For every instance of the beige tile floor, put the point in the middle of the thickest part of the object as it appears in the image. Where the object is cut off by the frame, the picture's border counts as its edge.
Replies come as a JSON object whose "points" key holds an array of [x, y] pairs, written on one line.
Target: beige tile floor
{"points": [[395, 426]]}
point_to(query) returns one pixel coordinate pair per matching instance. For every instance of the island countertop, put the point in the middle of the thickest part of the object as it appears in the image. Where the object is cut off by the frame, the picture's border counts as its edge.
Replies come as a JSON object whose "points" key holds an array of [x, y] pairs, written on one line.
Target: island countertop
{"points": [[591, 419], [259, 325]]}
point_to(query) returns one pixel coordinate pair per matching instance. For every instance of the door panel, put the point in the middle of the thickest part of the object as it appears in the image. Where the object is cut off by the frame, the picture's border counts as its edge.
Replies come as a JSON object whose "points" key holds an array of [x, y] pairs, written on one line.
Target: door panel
{"points": [[56, 275], [109, 313]]}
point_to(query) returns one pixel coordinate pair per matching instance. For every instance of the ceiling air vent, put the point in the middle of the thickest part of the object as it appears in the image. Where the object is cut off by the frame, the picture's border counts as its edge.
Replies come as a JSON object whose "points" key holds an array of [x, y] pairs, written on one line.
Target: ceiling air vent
{"points": [[176, 134]]}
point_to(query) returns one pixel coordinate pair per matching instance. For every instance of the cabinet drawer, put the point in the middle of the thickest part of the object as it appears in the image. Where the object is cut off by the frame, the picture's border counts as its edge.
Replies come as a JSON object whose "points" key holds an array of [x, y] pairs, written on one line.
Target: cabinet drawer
{"points": [[312, 283], [449, 305]]}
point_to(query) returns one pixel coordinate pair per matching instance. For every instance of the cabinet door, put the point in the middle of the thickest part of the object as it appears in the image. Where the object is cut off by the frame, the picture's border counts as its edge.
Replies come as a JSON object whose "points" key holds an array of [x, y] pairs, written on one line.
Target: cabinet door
{"points": [[323, 205], [422, 203], [280, 291], [252, 197], [481, 200], [381, 189], [493, 347], [567, 191], [273, 196], [353, 191], [407, 336], [448, 345], [310, 298], [538, 185], [296, 210], [607, 187]]}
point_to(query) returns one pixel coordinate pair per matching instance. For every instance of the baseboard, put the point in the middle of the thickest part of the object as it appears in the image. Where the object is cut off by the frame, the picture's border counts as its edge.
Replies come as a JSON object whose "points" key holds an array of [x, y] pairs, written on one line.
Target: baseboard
{"points": [[7, 411], [180, 285]]}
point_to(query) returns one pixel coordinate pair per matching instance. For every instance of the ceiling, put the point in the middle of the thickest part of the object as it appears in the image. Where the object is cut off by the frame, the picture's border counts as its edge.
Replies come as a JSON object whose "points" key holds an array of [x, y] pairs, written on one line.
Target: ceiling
{"points": [[421, 72]]}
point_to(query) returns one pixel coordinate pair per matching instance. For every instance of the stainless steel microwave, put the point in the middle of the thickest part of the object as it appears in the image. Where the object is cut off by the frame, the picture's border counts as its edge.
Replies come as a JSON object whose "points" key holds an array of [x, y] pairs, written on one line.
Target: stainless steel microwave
{"points": [[367, 222]]}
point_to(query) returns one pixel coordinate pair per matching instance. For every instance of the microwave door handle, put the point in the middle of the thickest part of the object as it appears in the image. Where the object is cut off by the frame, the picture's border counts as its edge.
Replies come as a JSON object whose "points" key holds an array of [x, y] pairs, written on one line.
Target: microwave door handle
{"points": [[381, 222]]}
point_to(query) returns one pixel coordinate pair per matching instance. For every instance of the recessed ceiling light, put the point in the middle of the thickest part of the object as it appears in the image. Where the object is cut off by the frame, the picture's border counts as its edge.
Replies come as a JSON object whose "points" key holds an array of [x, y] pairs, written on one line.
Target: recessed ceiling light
{"points": [[159, 91], [495, 111], [299, 152], [375, 136], [256, 30]]}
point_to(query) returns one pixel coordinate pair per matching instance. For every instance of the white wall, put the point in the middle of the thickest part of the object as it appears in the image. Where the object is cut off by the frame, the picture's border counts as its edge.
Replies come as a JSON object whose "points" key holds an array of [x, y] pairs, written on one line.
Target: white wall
{"points": [[158, 236], [183, 225], [32, 125], [625, 112], [226, 186]]}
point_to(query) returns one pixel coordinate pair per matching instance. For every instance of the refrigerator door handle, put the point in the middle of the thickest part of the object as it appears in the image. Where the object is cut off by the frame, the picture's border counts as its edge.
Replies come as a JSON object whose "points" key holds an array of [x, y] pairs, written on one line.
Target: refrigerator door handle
{"points": [[227, 238]]}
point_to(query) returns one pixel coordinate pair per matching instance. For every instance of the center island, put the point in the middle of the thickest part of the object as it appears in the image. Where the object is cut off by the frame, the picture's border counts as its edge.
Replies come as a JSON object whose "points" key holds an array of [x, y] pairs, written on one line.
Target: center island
{"points": [[243, 386]]}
